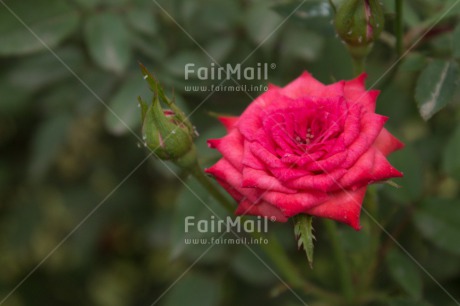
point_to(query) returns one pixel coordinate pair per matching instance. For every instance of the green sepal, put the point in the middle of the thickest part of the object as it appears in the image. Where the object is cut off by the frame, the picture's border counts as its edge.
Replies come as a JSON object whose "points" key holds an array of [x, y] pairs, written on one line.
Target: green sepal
{"points": [[303, 230]]}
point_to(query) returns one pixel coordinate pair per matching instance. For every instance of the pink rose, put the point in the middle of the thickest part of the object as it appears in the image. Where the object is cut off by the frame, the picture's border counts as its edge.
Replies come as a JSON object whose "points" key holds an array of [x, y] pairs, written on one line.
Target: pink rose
{"points": [[307, 148]]}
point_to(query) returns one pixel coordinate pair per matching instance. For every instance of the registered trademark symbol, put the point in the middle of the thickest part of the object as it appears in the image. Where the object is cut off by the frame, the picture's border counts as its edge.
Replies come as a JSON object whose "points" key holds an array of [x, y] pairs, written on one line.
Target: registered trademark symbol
{"points": [[272, 65], [273, 219]]}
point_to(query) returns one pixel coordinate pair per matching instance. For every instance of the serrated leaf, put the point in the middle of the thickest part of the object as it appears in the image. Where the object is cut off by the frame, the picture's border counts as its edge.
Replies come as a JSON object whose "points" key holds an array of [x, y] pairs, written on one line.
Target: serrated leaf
{"points": [[107, 39], [50, 20], [450, 161], [437, 220], [404, 272], [435, 87], [303, 230]]}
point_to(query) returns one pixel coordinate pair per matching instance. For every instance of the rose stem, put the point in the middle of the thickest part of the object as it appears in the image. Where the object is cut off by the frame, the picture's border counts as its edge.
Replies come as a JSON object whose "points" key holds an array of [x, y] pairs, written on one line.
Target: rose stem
{"points": [[345, 275], [358, 65], [211, 187], [399, 27], [273, 249]]}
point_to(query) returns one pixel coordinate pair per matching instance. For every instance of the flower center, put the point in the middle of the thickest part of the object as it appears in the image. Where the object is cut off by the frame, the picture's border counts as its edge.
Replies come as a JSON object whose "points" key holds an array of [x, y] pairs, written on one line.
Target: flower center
{"points": [[307, 140]]}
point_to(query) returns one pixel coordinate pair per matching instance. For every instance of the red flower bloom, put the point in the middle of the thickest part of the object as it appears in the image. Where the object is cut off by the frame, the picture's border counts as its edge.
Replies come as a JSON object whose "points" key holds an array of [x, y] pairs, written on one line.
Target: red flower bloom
{"points": [[306, 148]]}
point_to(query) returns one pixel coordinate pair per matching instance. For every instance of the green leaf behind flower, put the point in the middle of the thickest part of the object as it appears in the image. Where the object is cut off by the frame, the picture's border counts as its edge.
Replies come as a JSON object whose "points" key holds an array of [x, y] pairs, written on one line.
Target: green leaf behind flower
{"points": [[435, 87]]}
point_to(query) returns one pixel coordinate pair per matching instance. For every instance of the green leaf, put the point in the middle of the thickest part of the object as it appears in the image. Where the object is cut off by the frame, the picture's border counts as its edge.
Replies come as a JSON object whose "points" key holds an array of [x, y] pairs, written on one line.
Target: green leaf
{"points": [[196, 290], [303, 230], [451, 160], [107, 39], [435, 87], [437, 220], [404, 272], [50, 20], [124, 104]]}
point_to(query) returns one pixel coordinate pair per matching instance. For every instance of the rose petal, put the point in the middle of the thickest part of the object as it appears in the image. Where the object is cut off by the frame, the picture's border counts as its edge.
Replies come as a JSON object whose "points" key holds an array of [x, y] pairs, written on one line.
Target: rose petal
{"points": [[231, 147], [355, 92], [387, 143], [224, 171], [249, 122], [228, 121], [352, 126], [328, 164], [250, 160], [261, 209], [293, 204], [382, 169], [371, 167], [304, 85], [287, 174], [342, 206], [371, 125], [266, 157], [253, 178], [322, 182]]}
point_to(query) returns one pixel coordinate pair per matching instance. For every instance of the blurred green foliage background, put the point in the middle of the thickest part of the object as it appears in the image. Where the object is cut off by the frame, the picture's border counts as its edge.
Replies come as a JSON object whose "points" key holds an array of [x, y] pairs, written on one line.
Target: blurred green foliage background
{"points": [[86, 220]]}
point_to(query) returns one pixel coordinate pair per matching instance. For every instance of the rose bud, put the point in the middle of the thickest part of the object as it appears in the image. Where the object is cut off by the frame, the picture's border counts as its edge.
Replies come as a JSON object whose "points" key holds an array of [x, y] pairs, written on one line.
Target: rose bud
{"points": [[167, 132], [359, 23], [306, 148], [163, 133]]}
